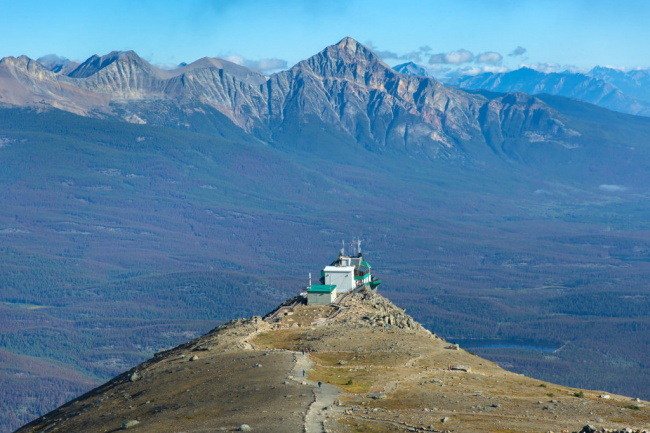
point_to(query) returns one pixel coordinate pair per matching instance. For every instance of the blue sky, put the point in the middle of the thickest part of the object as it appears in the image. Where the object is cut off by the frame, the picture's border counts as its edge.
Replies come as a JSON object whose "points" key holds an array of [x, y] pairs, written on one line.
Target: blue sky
{"points": [[469, 35]]}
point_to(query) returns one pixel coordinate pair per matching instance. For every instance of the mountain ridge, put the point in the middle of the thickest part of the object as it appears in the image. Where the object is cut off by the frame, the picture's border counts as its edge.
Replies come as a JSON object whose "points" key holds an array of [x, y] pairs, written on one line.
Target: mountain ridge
{"points": [[587, 87], [345, 88], [359, 364]]}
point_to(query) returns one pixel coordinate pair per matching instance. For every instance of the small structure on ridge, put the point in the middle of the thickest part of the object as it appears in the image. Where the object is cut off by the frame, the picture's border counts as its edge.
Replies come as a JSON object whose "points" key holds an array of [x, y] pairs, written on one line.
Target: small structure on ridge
{"points": [[343, 276]]}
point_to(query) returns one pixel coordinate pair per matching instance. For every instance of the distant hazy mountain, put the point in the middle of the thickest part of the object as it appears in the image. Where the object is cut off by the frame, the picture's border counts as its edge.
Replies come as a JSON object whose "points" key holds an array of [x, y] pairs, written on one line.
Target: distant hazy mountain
{"points": [[600, 88], [58, 64], [635, 83], [411, 68]]}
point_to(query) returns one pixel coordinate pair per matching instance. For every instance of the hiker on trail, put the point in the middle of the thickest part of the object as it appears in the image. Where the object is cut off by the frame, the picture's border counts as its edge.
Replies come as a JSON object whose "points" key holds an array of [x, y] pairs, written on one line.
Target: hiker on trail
{"points": [[319, 384], [303, 373]]}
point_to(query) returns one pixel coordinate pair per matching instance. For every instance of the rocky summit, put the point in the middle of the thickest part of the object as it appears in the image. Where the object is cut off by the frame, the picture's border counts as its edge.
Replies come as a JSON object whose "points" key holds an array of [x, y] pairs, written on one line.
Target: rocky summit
{"points": [[361, 364]]}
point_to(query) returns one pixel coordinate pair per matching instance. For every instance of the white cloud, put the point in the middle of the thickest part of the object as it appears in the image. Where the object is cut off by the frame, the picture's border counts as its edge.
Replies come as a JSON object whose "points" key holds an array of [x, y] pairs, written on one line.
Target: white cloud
{"points": [[476, 70], [519, 51], [167, 66], [622, 68], [385, 54], [452, 58], [235, 59], [612, 188], [546, 67], [551, 67], [489, 57], [413, 56], [264, 65], [438, 68], [437, 71], [269, 64]]}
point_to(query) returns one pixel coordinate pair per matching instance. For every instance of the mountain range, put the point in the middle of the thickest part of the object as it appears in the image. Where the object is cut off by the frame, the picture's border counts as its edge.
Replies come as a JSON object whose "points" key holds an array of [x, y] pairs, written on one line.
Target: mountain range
{"points": [[140, 207], [626, 92], [345, 87]]}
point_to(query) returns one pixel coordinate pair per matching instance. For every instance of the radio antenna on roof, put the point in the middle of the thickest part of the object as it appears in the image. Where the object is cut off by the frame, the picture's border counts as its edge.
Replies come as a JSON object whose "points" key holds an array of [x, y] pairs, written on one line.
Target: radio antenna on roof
{"points": [[343, 248]]}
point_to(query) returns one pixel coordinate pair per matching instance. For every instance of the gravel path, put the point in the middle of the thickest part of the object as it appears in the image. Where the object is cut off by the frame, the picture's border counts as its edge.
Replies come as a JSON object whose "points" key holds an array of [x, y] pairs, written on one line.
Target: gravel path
{"points": [[323, 406]]}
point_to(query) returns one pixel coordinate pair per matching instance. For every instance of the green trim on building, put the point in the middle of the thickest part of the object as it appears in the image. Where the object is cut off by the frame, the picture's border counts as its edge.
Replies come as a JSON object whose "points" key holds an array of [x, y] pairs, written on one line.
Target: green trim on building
{"points": [[361, 277], [366, 264], [321, 288], [374, 284]]}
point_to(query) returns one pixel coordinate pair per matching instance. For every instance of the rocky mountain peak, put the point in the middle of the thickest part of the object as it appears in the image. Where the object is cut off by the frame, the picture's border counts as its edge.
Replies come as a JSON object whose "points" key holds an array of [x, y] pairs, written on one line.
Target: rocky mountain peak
{"points": [[351, 46], [58, 64], [96, 63], [411, 68], [350, 50], [14, 61], [348, 59], [24, 65], [247, 75]]}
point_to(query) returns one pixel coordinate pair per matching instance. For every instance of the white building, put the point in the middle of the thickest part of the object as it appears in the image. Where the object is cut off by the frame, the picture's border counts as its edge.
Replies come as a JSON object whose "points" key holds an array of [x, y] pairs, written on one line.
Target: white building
{"points": [[345, 275], [341, 276]]}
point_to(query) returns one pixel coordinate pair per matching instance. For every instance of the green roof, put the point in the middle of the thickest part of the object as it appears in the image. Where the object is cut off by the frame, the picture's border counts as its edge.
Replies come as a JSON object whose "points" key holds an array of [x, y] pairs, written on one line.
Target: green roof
{"points": [[322, 288], [366, 264]]}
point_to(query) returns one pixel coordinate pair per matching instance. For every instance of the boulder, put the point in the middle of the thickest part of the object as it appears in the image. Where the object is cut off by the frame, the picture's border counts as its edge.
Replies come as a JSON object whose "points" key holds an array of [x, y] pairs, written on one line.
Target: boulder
{"points": [[129, 424], [462, 367]]}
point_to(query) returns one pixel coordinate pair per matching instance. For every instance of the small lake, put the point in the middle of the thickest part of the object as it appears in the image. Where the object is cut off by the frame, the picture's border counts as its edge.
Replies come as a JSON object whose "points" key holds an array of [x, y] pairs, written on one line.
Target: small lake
{"points": [[505, 344]]}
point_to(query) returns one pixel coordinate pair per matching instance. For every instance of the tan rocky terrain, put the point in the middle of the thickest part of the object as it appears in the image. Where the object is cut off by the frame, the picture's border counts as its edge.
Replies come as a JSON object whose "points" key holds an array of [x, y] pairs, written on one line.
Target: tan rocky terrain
{"points": [[380, 371]]}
